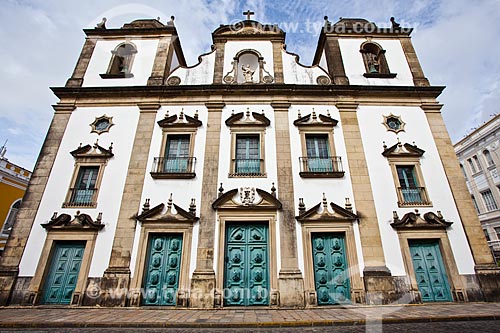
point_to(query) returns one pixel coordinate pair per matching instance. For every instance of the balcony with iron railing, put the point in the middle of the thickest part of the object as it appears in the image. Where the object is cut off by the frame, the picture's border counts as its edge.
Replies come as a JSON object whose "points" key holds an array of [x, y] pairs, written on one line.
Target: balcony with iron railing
{"points": [[321, 167], [81, 198], [173, 167], [248, 167], [413, 196]]}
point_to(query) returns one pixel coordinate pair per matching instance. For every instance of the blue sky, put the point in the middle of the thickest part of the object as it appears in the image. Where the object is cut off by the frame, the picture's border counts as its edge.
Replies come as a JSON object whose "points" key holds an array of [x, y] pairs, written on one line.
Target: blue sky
{"points": [[455, 41]]}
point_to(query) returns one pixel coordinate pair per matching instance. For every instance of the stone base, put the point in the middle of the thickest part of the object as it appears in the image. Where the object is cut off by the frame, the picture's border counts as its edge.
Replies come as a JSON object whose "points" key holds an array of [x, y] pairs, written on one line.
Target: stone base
{"points": [[20, 291], [380, 286], [155, 81], [114, 287], [202, 294], [291, 289], [8, 276], [489, 279]]}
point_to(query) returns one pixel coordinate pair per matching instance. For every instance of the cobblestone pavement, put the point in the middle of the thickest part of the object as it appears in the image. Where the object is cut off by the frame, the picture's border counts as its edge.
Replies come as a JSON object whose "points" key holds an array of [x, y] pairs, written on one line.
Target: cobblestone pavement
{"points": [[63, 318], [490, 326]]}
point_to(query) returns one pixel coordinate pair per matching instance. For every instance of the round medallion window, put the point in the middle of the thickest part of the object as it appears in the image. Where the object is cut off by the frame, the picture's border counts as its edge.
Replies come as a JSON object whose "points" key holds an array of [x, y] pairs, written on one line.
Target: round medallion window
{"points": [[394, 123], [101, 124]]}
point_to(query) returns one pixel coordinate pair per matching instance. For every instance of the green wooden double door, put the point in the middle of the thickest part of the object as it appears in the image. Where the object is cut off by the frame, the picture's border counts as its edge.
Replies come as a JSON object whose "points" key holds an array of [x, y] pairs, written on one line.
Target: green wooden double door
{"points": [[63, 271], [429, 271]]}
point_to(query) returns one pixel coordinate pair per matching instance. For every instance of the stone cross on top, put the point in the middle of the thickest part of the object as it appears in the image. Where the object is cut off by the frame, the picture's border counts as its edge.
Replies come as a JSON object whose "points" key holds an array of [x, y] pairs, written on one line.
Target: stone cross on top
{"points": [[248, 13]]}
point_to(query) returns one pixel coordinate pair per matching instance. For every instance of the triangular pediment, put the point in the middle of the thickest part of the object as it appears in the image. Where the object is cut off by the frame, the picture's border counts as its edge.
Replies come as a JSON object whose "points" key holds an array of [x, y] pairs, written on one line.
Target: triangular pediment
{"points": [[244, 119], [248, 27], [247, 198], [403, 150], [79, 222], [415, 221], [321, 213], [315, 120], [181, 120], [158, 214], [93, 151]]}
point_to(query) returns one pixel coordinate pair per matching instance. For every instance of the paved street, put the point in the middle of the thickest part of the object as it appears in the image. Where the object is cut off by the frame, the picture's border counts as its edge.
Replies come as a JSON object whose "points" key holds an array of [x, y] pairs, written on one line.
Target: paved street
{"points": [[441, 317]]}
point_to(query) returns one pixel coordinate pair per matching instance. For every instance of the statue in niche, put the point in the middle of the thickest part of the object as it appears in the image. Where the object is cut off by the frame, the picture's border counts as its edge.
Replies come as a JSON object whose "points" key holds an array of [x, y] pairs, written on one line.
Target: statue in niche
{"points": [[247, 73]]}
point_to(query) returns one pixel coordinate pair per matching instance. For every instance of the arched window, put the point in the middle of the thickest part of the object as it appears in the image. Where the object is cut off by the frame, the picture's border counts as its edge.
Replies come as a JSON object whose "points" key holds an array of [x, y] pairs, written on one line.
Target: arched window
{"points": [[11, 217], [121, 62], [463, 171], [488, 158], [248, 67], [375, 62]]}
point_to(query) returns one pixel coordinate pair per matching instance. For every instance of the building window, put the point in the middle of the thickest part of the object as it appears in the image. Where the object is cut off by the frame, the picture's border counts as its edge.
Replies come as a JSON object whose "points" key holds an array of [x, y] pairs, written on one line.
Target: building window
{"points": [[84, 191], [463, 171], [497, 232], [471, 165], [11, 217], [375, 62], [475, 204], [489, 200], [176, 158], [411, 192], [488, 158], [476, 160], [121, 62], [394, 123], [247, 161], [101, 124], [486, 234]]}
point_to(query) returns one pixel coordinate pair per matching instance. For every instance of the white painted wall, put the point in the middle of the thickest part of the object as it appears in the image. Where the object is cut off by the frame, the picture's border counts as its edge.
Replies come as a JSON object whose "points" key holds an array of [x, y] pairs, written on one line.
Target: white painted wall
{"points": [[265, 48], [322, 61], [355, 67], [122, 135], [417, 129], [141, 66], [158, 190], [201, 73], [296, 73], [312, 189]]}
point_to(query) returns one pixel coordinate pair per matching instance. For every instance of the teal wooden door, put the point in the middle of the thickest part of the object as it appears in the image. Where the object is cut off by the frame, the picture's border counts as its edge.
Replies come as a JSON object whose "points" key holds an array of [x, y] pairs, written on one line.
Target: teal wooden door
{"points": [[246, 276], [162, 270], [63, 272], [429, 271], [331, 275]]}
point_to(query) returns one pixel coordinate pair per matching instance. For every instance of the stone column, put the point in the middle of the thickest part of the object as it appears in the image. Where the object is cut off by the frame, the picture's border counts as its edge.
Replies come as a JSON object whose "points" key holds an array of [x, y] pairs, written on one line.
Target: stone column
{"points": [[116, 278], [76, 79], [377, 277], [203, 280], [219, 62], [278, 61], [487, 272], [14, 249], [163, 59], [334, 61], [419, 78], [290, 281]]}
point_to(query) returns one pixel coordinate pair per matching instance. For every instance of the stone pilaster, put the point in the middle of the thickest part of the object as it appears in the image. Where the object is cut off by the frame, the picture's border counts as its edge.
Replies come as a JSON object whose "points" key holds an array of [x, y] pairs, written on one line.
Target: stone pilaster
{"points": [[14, 249], [419, 78], [203, 280], [290, 281], [116, 278], [163, 59], [76, 79], [219, 62], [487, 272], [334, 61], [278, 61], [377, 277]]}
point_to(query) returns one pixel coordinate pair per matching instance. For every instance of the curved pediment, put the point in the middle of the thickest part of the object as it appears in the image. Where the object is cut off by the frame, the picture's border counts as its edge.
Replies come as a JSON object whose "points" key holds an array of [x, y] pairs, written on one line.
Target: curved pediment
{"points": [[93, 151], [158, 214], [413, 220], [244, 119], [315, 120], [79, 222], [321, 213], [248, 28], [181, 120], [402, 150], [247, 198]]}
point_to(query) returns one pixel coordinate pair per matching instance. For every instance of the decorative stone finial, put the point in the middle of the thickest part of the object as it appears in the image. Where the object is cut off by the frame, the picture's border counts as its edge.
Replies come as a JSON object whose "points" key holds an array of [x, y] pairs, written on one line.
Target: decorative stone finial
{"points": [[169, 203], [192, 207], [181, 115], [273, 190], [166, 114], [399, 143], [171, 22], [348, 205], [196, 114], [111, 147], [232, 112], [99, 218], [247, 114], [54, 216], [325, 202], [298, 114], [314, 115], [102, 24], [302, 206], [80, 146], [384, 145], [439, 214], [395, 216], [395, 25], [145, 207], [221, 190], [328, 113], [416, 212]]}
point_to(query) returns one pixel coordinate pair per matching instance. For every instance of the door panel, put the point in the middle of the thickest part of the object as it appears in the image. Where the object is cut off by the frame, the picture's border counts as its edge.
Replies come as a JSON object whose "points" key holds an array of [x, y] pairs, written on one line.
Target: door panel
{"points": [[163, 269], [429, 271], [246, 276], [63, 272], [331, 275]]}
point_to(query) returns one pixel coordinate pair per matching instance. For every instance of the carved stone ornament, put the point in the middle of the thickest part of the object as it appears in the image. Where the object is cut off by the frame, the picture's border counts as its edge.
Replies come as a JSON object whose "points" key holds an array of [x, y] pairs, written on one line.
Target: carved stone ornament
{"points": [[394, 123], [181, 120], [244, 119], [101, 124], [313, 120], [79, 222], [156, 215], [321, 213], [323, 80], [247, 195], [173, 81], [247, 198], [413, 220], [402, 150], [95, 150]]}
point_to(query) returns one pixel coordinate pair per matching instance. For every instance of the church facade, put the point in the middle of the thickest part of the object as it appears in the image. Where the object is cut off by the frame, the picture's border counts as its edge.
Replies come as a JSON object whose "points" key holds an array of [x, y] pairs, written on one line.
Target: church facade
{"points": [[247, 179]]}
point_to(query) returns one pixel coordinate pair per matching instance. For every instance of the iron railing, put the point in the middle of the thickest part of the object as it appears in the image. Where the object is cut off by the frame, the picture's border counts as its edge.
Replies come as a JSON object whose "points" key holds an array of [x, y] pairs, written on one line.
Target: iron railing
{"points": [[81, 198], [247, 167], [412, 196], [171, 166], [328, 166]]}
